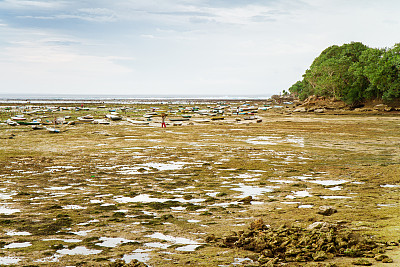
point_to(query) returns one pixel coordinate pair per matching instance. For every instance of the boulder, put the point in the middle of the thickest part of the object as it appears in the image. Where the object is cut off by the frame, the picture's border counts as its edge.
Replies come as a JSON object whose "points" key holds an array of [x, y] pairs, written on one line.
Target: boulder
{"points": [[326, 210]]}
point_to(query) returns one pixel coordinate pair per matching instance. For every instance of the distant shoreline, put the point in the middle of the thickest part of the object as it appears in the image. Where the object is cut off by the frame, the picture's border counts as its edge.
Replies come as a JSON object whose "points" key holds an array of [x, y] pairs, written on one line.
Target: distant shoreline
{"points": [[124, 99]]}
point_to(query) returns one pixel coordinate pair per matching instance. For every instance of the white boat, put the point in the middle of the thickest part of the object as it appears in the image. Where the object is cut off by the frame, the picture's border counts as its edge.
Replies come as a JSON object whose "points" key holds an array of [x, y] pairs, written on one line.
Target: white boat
{"points": [[86, 119], [18, 118], [12, 123], [37, 127], [101, 121], [138, 122], [113, 117], [52, 130]]}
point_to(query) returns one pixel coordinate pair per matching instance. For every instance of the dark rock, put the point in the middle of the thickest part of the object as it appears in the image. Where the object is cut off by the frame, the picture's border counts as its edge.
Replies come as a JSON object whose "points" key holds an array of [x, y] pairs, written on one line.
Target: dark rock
{"points": [[326, 210], [246, 200], [362, 262]]}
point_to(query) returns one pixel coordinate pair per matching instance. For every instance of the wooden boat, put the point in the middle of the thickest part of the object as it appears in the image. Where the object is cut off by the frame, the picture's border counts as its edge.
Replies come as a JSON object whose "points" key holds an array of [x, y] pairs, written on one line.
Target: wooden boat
{"points": [[217, 118]]}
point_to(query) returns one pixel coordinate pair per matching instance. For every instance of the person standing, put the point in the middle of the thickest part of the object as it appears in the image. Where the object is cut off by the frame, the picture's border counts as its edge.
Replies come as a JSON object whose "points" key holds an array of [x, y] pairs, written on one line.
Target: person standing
{"points": [[163, 116]]}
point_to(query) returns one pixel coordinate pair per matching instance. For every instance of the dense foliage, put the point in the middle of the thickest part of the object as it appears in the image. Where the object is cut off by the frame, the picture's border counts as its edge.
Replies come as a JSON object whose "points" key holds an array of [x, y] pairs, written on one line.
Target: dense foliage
{"points": [[353, 73]]}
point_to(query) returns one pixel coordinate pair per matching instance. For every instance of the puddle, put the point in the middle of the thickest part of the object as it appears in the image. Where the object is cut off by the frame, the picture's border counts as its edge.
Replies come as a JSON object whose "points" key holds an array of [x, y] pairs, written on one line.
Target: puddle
{"points": [[165, 166], [81, 233], [329, 182], [188, 248], [145, 198], [248, 190], [6, 196], [63, 240], [390, 185], [53, 258], [299, 194], [176, 240], [7, 211], [157, 245], [281, 181], [18, 245], [241, 261], [336, 188], [275, 140], [334, 197], [305, 206], [12, 233], [73, 207], [138, 254], [111, 242], [57, 188], [9, 260], [89, 222], [79, 251]]}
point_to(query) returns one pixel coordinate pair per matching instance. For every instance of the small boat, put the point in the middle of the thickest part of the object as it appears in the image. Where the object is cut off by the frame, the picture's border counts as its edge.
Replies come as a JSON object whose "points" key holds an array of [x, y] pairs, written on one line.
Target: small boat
{"points": [[202, 120], [86, 119], [250, 118], [113, 117], [18, 118], [52, 130], [34, 122], [37, 127], [12, 123], [178, 119], [217, 118], [101, 121], [138, 122], [186, 116]]}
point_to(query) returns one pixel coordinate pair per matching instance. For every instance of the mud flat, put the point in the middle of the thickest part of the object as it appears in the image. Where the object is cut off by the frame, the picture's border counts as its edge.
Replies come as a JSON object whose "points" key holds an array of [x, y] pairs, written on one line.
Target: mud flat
{"points": [[96, 194]]}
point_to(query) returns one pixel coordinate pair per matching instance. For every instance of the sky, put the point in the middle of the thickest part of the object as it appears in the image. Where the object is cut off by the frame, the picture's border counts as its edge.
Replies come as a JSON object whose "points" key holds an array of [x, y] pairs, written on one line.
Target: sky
{"points": [[178, 47]]}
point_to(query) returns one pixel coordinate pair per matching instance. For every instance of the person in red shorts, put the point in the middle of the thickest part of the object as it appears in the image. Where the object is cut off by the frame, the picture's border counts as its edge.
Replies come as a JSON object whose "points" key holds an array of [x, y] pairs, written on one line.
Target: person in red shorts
{"points": [[163, 116]]}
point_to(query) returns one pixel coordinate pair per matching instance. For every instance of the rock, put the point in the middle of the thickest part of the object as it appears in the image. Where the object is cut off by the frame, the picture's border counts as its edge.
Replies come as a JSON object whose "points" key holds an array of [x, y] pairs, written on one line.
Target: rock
{"points": [[246, 200], [380, 257], [363, 262], [319, 110], [387, 260], [326, 210], [320, 256], [257, 225]]}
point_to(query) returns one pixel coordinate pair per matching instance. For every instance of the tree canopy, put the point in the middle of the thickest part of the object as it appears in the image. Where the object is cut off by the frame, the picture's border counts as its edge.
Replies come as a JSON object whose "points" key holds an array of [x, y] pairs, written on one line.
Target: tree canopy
{"points": [[353, 73]]}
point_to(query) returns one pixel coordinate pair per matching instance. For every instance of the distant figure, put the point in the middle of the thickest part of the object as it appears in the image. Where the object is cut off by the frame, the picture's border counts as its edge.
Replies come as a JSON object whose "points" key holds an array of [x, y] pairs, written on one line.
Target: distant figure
{"points": [[163, 116]]}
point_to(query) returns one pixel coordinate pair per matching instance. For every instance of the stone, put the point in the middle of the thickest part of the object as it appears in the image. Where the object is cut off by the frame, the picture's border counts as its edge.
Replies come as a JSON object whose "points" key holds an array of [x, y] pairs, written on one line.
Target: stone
{"points": [[362, 262], [380, 257], [246, 200], [326, 210]]}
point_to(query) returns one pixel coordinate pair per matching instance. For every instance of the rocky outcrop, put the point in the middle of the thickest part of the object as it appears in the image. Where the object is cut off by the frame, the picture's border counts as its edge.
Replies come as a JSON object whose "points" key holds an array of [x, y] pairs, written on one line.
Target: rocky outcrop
{"points": [[317, 242]]}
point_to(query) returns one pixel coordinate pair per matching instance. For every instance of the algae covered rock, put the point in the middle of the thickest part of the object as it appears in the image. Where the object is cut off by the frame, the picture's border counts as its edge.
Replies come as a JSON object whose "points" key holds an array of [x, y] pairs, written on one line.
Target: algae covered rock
{"points": [[317, 242]]}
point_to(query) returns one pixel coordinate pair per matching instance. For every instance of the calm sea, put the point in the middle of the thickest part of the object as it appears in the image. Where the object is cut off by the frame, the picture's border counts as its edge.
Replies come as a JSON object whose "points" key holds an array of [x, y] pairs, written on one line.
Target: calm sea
{"points": [[38, 98]]}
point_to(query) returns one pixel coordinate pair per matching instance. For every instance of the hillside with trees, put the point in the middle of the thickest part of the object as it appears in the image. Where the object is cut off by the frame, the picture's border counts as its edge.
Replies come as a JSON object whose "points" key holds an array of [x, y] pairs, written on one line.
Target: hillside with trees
{"points": [[353, 73]]}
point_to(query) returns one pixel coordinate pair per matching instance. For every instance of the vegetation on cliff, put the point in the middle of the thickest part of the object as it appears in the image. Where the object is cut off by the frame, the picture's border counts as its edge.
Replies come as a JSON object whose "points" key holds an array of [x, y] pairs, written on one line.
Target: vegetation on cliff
{"points": [[353, 73]]}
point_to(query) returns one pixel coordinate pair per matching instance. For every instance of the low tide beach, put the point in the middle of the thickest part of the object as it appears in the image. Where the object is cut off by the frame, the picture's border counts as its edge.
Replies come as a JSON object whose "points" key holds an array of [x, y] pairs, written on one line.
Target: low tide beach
{"points": [[213, 188]]}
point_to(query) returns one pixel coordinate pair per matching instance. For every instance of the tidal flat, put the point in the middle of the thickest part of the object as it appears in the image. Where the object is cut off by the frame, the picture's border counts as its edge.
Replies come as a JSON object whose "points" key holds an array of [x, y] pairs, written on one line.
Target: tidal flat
{"points": [[94, 194]]}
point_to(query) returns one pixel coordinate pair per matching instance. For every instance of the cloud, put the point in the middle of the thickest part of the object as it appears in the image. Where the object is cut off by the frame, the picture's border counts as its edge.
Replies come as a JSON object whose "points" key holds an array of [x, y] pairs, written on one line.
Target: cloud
{"points": [[27, 4]]}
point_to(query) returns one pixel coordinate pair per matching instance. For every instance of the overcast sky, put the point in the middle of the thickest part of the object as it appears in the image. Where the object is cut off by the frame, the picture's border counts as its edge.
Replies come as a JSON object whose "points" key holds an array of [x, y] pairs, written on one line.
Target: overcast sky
{"points": [[211, 47]]}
